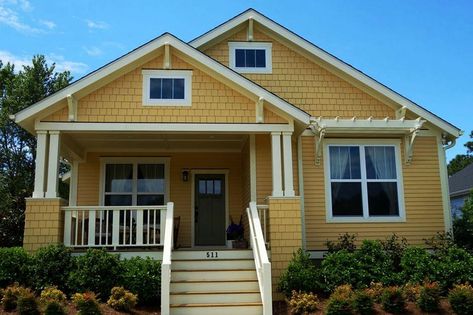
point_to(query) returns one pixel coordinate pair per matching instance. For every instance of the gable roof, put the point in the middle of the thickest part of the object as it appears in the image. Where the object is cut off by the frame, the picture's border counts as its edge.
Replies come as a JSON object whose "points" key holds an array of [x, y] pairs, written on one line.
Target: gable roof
{"points": [[327, 59], [26, 117], [461, 182]]}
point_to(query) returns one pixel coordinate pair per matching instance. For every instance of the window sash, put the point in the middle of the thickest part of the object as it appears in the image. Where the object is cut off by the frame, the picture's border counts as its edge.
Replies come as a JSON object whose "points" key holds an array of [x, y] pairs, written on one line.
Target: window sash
{"points": [[364, 181]]}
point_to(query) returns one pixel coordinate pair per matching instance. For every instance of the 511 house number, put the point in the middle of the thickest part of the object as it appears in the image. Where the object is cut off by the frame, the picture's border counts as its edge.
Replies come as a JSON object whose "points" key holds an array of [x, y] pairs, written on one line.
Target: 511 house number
{"points": [[212, 255]]}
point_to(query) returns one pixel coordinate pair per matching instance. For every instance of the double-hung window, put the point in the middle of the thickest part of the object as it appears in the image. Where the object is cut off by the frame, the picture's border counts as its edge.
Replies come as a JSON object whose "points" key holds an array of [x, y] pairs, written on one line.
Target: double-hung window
{"points": [[167, 87], [364, 182], [250, 57]]}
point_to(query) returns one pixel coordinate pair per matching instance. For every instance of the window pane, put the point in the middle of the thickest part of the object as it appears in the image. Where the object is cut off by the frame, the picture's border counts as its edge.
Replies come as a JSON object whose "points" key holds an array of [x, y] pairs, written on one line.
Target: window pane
{"points": [[382, 199], [118, 200], [178, 89], [118, 177], [151, 178], [150, 200], [167, 89], [250, 58], [260, 58], [202, 186], [155, 88], [210, 187], [218, 187], [380, 162], [239, 58], [344, 162], [346, 199]]}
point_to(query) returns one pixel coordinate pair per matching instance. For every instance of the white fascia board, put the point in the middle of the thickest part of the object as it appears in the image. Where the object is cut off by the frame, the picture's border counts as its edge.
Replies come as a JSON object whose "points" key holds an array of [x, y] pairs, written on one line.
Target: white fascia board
{"points": [[163, 127], [329, 59]]}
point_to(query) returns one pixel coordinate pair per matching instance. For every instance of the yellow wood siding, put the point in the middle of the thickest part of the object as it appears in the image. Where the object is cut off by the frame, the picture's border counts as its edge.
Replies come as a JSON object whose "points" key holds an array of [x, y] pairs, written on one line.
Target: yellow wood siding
{"points": [[263, 168], [180, 192], [422, 198], [306, 84]]}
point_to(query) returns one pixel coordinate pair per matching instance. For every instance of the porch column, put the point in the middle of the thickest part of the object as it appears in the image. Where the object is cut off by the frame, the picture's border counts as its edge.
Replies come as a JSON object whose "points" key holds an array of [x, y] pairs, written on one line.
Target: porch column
{"points": [[40, 168], [287, 154], [53, 165], [276, 164]]}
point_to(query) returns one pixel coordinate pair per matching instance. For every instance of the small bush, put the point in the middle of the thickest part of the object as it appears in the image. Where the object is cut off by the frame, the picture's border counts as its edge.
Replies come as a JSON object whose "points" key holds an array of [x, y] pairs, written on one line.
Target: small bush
{"points": [[375, 290], [393, 300], [54, 308], [344, 242], [14, 266], [394, 246], [418, 265], [440, 242], [411, 292], [340, 301], [375, 264], [86, 303], [51, 266], [463, 225], [122, 300], [363, 303], [300, 275], [303, 303], [429, 297], [143, 277], [342, 267], [461, 299], [455, 266], [27, 304], [11, 295], [96, 271], [53, 301]]}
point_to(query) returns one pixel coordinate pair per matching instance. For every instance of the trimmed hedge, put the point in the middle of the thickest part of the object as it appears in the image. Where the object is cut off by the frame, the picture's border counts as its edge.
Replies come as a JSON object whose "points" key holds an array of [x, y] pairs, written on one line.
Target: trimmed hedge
{"points": [[143, 277], [14, 266]]}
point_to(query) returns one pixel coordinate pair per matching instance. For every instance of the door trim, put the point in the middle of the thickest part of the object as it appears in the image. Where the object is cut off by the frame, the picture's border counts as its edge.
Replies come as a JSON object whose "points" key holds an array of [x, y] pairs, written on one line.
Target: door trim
{"points": [[223, 172]]}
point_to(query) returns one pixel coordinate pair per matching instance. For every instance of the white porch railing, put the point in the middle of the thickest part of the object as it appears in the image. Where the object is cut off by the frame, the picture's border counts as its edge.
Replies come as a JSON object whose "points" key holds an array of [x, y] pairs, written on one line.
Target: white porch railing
{"points": [[263, 266], [123, 226], [166, 263], [263, 217]]}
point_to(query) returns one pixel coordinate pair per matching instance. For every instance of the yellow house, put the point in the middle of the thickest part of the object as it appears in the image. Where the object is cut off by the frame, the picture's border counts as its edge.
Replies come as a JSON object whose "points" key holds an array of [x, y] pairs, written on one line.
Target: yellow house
{"points": [[171, 141]]}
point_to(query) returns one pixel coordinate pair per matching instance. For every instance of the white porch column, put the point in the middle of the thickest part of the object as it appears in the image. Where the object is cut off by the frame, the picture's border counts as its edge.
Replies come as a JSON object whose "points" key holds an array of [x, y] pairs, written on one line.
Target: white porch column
{"points": [[288, 174], [53, 165], [276, 163], [40, 169]]}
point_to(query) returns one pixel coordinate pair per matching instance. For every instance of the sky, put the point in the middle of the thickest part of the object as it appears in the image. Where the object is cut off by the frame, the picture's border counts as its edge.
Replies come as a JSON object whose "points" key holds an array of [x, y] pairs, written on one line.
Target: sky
{"points": [[423, 49]]}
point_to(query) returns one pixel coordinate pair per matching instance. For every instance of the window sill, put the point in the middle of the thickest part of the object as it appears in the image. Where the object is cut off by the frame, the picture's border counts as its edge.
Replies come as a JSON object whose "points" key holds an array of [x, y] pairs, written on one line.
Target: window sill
{"points": [[167, 104], [393, 219], [253, 70]]}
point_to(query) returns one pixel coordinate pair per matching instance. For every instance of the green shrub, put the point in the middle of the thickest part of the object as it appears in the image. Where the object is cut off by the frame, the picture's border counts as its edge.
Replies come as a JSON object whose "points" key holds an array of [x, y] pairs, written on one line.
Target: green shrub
{"points": [[342, 267], [14, 266], [463, 226], [300, 275], [303, 303], [455, 267], [440, 242], [53, 301], [375, 290], [54, 308], [340, 301], [86, 303], [363, 303], [429, 297], [96, 271], [461, 299], [27, 304], [375, 264], [394, 246], [418, 265], [11, 295], [122, 300], [393, 300], [143, 277], [411, 292], [344, 242], [51, 266]]}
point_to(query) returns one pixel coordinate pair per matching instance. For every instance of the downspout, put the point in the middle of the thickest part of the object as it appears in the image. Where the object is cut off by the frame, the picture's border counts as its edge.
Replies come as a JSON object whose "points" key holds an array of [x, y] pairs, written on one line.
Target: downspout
{"points": [[301, 189]]}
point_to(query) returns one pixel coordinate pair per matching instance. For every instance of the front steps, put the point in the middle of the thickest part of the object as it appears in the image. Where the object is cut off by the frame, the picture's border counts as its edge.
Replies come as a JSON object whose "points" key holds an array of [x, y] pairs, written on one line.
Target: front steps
{"points": [[214, 282]]}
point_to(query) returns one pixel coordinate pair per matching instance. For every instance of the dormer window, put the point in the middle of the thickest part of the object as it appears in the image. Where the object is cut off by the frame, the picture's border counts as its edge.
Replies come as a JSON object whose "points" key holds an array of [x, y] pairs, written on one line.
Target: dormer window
{"points": [[250, 57], [167, 87]]}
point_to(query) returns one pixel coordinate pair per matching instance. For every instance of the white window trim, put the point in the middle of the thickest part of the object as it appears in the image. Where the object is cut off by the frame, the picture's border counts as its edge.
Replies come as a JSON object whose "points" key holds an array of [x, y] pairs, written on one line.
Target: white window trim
{"points": [[232, 46], [400, 181], [134, 160], [171, 74]]}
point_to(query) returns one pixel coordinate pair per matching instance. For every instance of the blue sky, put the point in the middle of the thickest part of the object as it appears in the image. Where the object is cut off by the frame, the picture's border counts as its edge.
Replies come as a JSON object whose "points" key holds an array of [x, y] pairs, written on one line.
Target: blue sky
{"points": [[422, 49]]}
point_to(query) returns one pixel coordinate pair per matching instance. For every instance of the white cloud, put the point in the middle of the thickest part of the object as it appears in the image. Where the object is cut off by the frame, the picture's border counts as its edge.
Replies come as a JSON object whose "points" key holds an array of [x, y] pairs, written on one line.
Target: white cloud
{"points": [[19, 62], [10, 18], [49, 24], [93, 51], [96, 24]]}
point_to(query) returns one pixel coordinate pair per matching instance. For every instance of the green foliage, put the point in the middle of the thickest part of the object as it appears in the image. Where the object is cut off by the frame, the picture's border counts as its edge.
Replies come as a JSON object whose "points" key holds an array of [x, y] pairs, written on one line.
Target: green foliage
{"points": [[363, 302], [393, 300], [463, 226], [14, 264], [51, 266], [394, 246], [300, 275], [122, 300], [429, 297], [11, 295], [417, 265], [461, 299], [54, 308], [86, 303], [27, 304], [411, 292], [440, 242], [375, 264], [459, 162], [340, 301], [340, 268], [303, 303], [345, 242], [143, 276], [19, 89], [96, 271], [455, 266], [53, 300]]}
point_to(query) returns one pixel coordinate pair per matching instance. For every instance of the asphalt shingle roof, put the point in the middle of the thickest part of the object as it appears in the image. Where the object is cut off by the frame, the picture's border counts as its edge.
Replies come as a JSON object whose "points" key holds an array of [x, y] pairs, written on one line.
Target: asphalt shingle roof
{"points": [[461, 181]]}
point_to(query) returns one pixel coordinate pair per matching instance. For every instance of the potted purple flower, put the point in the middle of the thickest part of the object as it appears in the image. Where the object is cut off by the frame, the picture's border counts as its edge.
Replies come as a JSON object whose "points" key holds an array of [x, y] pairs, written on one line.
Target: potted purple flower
{"points": [[235, 234]]}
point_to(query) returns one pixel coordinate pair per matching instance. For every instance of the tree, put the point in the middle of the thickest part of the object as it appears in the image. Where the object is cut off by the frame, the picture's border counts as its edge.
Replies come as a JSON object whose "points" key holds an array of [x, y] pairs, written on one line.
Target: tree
{"points": [[463, 225], [460, 161], [19, 90]]}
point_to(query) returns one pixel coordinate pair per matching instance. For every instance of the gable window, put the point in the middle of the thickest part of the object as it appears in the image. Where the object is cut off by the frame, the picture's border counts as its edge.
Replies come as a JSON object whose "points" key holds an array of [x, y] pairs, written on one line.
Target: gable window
{"points": [[250, 57], [167, 87], [364, 182]]}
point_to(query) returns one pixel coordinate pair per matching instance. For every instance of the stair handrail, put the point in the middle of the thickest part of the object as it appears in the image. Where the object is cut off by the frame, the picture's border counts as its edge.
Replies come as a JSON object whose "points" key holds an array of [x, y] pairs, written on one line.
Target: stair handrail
{"points": [[166, 262], [263, 266]]}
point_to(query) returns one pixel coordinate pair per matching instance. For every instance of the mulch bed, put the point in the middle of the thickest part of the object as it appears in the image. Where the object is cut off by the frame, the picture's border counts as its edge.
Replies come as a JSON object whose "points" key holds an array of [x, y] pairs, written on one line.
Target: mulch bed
{"points": [[106, 310]]}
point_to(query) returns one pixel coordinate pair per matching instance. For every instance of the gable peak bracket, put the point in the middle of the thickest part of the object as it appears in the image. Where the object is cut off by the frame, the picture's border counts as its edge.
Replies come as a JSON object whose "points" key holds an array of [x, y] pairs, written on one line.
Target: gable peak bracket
{"points": [[250, 30], [167, 57], [72, 107], [260, 110], [409, 141], [401, 113], [319, 131]]}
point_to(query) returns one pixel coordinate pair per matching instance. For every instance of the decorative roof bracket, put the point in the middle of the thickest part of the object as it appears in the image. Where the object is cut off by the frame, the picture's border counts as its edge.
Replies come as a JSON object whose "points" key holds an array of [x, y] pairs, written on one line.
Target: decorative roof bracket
{"points": [[250, 29], [319, 131], [72, 107], [167, 57], [410, 139], [260, 110]]}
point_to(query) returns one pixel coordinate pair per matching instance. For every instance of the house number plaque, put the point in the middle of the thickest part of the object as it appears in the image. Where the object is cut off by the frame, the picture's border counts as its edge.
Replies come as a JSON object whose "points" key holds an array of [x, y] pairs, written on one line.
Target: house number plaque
{"points": [[212, 254]]}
